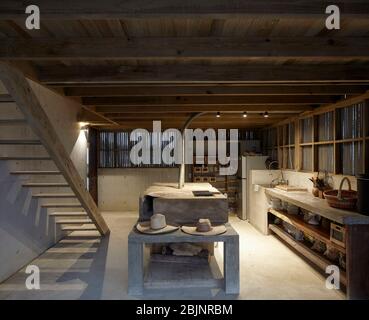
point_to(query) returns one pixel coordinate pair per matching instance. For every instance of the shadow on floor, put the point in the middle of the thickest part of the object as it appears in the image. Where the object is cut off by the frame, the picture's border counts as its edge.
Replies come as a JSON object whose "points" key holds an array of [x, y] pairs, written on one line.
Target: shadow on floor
{"points": [[94, 277]]}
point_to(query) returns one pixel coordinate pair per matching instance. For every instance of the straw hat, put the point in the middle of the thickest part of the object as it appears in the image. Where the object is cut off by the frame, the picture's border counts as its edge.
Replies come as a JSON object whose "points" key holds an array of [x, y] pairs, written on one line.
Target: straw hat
{"points": [[156, 225], [204, 228]]}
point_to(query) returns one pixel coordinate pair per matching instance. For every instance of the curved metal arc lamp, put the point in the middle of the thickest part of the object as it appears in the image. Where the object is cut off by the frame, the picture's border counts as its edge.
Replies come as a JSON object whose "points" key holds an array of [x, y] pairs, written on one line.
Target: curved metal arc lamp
{"points": [[182, 169]]}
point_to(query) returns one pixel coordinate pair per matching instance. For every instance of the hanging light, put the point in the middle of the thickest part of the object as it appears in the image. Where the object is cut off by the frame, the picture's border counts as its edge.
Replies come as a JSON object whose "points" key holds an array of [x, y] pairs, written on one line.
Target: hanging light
{"points": [[266, 114], [244, 115], [218, 115]]}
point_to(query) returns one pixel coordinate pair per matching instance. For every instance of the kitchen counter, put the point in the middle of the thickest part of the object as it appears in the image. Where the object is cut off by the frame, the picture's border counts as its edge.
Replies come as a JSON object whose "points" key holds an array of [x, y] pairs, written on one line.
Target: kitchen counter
{"points": [[181, 206], [307, 201], [171, 191]]}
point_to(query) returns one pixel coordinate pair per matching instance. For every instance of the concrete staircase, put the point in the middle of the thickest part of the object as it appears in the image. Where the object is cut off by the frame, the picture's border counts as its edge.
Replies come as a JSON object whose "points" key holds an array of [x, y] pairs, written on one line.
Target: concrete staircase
{"points": [[29, 163]]}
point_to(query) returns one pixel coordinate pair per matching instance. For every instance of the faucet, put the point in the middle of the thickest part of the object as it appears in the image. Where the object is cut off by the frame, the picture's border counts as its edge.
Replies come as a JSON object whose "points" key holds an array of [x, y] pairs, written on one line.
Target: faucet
{"points": [[270, 164], [280, 179]]}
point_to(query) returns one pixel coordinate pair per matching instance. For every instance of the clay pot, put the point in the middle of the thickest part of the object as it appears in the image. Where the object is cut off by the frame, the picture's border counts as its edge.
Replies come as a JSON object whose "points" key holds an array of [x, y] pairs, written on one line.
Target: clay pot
{"points": [[315, 192]]}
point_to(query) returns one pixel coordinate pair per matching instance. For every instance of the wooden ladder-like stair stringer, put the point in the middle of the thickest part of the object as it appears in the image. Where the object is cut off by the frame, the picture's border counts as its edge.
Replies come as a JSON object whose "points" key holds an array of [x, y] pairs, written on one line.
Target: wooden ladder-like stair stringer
{"points": [[35, 118]]}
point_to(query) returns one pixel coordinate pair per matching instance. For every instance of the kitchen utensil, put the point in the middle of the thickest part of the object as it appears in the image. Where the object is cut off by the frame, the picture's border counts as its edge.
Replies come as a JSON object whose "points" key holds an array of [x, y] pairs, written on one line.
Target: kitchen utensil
{"points": [[338, 234]]}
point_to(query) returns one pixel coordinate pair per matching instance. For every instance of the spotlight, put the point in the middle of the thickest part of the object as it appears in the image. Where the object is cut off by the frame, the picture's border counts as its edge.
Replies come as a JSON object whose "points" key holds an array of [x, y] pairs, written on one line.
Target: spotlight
{"points": [[244, 115], [266, 114], [83, 124], [218, 115]]}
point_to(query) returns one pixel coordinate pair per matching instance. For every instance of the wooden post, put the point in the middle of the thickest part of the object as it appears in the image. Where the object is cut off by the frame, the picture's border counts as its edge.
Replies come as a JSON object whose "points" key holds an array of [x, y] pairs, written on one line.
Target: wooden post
{"points": [[357, 261], [297, 145], [365, 136], [20, 89], [92, 164]]}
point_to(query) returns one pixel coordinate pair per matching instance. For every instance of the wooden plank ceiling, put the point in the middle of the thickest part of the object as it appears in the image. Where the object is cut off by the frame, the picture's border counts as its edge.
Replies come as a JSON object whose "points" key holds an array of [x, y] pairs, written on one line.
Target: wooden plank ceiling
{"points": [[132, 62]]}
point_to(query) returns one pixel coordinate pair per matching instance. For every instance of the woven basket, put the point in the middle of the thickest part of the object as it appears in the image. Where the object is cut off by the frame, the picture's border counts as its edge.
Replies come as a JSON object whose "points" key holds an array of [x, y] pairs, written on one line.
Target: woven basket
{"points": [[342, 199]]}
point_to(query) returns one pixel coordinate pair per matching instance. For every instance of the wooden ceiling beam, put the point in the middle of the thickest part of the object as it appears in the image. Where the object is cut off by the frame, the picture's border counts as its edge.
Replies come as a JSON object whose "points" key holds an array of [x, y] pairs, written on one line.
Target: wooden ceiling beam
{"points": [[204, 74], [208, 101], [174, 118], [150, 116], [216, 125], [213, 90], [221, 9], [183, 48], [204, 108]]}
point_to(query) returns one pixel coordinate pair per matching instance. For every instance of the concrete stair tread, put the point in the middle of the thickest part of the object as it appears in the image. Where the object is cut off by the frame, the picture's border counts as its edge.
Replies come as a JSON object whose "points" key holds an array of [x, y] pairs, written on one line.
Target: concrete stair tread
{"points": [[68, 214], [45, 184], [79, 228], [20, 141], [61, 205], [30, 172], [24, 158], [75, 221], [54, 195], [6, 98], [12, 121]]}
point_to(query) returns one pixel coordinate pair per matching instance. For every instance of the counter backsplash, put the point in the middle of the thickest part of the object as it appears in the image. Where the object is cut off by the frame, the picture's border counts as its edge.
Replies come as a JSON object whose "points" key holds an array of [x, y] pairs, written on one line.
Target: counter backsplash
{"points": [[300, 179]]}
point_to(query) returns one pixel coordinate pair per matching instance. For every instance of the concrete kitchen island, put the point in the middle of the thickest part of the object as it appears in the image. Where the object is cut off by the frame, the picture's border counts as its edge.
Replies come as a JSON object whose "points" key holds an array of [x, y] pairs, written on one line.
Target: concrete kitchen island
{"points": [[181, 206], [136, 272]]}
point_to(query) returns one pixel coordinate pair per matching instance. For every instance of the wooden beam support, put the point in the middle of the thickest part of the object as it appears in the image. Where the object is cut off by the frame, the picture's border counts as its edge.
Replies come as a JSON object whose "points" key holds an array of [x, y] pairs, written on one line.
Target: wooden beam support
{"points": [[205, 74], [208, 101], [212, 90], [18, 86], [180, 116], [90, 118], [183, 48], [204, 108], [220, 9], [27, 68], [94, 116], [177, 125], [326, 108]]}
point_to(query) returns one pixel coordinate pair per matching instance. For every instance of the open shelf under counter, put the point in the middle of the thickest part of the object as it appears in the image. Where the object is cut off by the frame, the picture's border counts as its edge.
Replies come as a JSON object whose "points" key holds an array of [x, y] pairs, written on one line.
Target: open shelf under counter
{"points": [[307, 201], [317, 232], [356, 242], [316, 258]]}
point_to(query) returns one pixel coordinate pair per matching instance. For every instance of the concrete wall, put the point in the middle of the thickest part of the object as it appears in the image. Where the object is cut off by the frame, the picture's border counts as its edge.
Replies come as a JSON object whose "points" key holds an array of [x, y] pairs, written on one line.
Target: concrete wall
{"points": [[63, 114], [119, 189], [25, 230]]}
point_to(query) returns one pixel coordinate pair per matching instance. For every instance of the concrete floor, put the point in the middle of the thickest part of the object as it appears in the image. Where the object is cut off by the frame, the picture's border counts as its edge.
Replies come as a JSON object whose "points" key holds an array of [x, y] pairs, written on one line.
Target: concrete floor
{"points": [[94, 268]]}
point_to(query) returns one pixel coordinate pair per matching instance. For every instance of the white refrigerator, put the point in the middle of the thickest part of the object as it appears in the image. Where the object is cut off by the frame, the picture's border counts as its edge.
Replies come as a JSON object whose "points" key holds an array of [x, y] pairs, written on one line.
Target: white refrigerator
{"points": [[245, 165]]}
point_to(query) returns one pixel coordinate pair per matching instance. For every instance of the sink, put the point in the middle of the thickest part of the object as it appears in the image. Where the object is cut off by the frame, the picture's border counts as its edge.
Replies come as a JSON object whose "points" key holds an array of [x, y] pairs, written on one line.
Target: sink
{"points": [[289, 188], [264, 185]]}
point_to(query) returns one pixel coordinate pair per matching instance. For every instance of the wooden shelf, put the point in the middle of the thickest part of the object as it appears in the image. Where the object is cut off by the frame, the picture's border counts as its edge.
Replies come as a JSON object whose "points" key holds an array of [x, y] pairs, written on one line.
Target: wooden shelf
{"points": [[311, 255], [225, 184], [316, 232]]}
